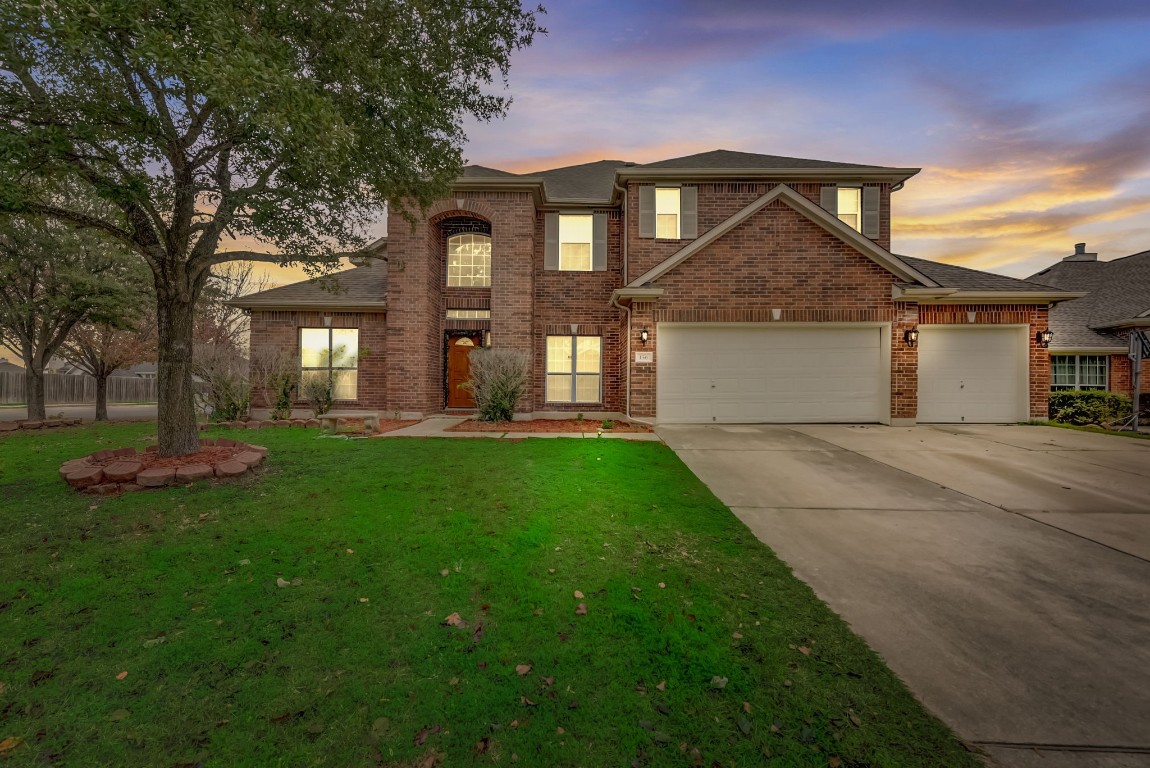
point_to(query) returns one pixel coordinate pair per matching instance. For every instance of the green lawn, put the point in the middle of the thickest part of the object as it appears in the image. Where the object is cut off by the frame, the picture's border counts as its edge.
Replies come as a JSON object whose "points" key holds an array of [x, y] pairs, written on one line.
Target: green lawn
{"points": [[352, 663]]}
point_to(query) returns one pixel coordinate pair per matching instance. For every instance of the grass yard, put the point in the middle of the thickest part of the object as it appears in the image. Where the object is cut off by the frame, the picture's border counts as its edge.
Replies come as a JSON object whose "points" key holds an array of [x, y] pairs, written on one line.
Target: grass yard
{"points": [[354, 663]]}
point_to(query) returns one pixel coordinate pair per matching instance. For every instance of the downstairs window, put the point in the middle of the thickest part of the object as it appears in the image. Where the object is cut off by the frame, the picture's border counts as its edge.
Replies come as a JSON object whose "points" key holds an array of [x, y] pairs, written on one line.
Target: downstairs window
{"points": [[574, 369], [1069, 372], [332, 355]]}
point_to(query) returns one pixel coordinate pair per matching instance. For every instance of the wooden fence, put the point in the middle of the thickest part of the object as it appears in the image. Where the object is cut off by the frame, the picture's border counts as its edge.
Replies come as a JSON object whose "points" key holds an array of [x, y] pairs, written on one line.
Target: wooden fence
{"points": [[60, 389]]}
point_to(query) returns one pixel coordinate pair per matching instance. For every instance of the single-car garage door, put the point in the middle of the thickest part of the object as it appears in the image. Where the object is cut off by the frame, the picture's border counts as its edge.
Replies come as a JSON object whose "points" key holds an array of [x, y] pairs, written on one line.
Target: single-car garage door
{"points": [[972, 374], [746, 374]]}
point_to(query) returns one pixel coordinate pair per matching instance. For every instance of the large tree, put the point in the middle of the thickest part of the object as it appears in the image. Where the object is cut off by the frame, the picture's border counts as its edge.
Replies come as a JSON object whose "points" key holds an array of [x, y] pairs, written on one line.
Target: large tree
{"points": [[289, 123], [52, 278]]}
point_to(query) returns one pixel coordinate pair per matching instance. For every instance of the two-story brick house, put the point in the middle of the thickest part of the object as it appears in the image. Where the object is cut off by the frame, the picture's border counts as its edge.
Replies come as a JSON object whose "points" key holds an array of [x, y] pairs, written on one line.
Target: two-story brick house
{"points": [[719, 287]]}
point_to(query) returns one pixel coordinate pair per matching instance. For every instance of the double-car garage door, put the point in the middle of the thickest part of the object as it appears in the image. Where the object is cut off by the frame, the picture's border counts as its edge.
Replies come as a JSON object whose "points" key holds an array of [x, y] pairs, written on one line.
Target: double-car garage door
{"points": [[836, 374]]}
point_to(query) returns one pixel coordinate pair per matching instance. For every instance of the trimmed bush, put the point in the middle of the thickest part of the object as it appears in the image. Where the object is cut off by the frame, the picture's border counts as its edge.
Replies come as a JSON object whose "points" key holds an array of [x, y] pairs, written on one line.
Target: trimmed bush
{"points": [[1089, 407], [499, 378]]}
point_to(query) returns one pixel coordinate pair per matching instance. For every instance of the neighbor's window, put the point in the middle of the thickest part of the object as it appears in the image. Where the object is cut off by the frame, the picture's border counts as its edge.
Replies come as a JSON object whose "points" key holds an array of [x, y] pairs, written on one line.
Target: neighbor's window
{"points": [[331, 354], [469, 314], [574, 369], [1078, 372], [469, 261], [850, 207], [667, 213], [575, 243]]}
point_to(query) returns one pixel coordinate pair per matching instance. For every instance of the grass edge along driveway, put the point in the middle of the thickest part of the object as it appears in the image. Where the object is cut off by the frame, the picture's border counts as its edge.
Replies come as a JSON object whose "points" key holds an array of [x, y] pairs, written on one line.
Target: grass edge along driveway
{"points": [[418, 603]]}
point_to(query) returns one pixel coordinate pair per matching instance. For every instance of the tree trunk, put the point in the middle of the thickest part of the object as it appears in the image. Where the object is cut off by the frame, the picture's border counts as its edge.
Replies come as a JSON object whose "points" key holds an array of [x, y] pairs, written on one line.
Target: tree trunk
{"points": [[101, 395], [177, 429], [34, 391]]}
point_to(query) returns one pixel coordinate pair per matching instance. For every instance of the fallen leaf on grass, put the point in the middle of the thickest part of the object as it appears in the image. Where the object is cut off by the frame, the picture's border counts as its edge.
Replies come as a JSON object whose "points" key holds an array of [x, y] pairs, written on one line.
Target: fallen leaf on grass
{"points": [[155, 641], [856, 720], [364, 600], [526, 701], [835, 761], [744, 725], [581, 609], [551, 570], [718, 682], [514, 723], [736, 635], [662, 585], [559, 730], [119, 714], [804, 650], [10, 743], [351, 551], [285, 717], [477, 635], [482, 745], [662, 685], [787, 683], [549, 681], [747, 707], [578, 595], [444, 572], [522, 669], [121, 676], [454, 620], [423, 733], [453, 681], [280, 582]]}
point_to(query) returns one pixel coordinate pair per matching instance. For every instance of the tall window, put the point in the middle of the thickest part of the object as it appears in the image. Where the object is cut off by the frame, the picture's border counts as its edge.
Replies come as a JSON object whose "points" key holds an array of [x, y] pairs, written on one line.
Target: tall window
{"points": [[331, 355], [1078, 372], [667, 213], [469, 261], [575, 243], [574, 369], [850, 207]]}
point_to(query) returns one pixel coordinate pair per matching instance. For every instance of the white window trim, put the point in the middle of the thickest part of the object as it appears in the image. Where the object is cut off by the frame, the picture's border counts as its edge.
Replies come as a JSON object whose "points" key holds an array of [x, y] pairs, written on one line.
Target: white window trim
{"points": [[678, 213], [574, 373], [447, 265], [1105, 386], [590, 242], [329, 367]]}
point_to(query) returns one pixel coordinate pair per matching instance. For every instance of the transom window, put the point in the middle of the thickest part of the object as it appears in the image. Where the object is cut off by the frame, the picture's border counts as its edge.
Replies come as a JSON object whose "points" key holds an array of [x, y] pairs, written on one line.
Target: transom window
{"points": [[850, 207], [574, 369], [469, 261], [667, 213], [1078, 372], [469, 314], [331, 355], [575, 242]]}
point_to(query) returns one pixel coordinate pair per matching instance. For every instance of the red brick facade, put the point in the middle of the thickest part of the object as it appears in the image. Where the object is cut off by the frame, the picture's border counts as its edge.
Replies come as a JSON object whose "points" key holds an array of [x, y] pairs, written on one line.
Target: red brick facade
{"points": [[776, 266]]}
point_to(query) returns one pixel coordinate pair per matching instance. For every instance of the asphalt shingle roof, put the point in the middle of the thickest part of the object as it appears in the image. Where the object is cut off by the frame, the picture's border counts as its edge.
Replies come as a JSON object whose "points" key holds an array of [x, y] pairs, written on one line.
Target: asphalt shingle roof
{"points": [[951, 276], [359, 286], [1118, 290], [725, 158]]}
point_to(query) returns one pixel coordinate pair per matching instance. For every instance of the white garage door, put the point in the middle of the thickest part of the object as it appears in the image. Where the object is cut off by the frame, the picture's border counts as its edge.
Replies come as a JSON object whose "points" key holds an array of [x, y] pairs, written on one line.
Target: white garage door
{"points": [[769, 374], [972, 375]]}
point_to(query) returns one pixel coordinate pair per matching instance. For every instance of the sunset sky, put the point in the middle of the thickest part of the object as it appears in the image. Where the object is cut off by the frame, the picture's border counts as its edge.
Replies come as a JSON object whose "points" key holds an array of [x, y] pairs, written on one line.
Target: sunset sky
{"points": [[1030, 120]]}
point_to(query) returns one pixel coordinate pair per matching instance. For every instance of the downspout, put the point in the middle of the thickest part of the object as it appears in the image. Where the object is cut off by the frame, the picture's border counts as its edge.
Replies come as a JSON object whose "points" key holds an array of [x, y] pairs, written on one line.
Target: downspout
{"points": [[615, 303]]}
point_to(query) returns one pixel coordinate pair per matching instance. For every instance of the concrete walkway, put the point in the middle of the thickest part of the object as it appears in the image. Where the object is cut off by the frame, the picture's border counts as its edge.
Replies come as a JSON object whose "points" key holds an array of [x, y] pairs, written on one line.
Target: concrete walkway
{"points": [[437, 426], [1002, 572]]}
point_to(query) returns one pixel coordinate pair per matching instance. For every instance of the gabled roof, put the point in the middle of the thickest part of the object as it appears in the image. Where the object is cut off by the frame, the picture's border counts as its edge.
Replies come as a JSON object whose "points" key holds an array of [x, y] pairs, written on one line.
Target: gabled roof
{"points": [[786, 194], [725, 158], [963, 278], [1118, 296], [588, 181], [483, 172], [363, 288]]}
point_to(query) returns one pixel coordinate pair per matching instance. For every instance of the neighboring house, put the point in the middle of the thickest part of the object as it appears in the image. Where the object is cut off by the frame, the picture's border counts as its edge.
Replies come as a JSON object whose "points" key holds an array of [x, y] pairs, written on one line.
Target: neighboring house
{"points": [[721, 287], [1090, 349], [9, 367]]}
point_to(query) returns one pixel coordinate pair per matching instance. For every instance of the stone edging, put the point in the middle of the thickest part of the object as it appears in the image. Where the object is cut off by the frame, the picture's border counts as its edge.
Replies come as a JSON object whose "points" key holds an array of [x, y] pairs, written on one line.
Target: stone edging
{"points": [[254, 424], [12, 426], [128, 473]]}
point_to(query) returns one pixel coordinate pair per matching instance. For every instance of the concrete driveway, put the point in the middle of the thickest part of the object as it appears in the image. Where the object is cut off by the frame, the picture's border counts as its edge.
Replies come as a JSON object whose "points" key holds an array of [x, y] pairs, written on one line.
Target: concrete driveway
{"points": [[1002, 572]]}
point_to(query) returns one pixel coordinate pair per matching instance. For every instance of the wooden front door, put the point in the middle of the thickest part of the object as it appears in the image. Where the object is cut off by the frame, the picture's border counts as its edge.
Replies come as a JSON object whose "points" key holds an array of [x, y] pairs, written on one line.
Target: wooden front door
{"points": [[459, 370]]}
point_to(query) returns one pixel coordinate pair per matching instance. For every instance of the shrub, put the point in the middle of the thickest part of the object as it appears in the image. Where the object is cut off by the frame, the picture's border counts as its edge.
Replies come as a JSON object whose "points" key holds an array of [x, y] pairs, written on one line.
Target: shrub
{"points": [[499, 378], [224, 391], [273, 375], [317, 391], [1088, 407], [608, 424]]}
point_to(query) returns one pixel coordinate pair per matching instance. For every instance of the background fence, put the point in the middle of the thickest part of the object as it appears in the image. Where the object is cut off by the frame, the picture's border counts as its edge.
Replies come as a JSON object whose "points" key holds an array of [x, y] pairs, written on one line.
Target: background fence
{"points": [[60, 389]]}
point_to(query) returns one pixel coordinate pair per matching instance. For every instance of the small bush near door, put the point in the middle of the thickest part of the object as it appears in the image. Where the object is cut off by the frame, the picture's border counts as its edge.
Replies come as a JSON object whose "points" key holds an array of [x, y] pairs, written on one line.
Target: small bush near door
{"points": [[498, 379], [1089, 407]]}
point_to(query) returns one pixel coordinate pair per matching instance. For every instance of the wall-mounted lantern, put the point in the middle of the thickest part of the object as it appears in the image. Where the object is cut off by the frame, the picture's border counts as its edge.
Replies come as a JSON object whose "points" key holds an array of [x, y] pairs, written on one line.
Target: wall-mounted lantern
{"points": [[910, 336], [1044, 337], [644, 335]]}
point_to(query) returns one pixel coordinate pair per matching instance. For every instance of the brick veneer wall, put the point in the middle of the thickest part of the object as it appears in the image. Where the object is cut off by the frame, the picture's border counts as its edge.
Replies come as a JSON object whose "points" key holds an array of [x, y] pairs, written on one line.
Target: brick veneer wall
{"points": [[717, 203], [1121, 375], [279, 330]]}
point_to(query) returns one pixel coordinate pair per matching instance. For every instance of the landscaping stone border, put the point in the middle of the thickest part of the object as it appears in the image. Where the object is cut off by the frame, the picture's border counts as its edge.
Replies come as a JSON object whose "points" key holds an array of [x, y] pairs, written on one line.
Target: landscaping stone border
{"points": [[12, 426], [257, 424], [93, 473]]}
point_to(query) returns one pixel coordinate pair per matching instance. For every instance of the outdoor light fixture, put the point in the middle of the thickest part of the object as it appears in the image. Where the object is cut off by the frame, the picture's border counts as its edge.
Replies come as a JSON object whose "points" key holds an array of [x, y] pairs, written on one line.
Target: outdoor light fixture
{"points": [[910, 336], [327, 321], [1044, 337], [487, 339], [644, 335]]}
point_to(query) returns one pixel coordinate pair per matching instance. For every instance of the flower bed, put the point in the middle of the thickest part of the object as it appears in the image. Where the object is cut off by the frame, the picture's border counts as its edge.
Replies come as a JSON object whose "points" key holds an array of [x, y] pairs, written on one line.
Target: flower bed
{"points": [[589, 426], [124, 469]]}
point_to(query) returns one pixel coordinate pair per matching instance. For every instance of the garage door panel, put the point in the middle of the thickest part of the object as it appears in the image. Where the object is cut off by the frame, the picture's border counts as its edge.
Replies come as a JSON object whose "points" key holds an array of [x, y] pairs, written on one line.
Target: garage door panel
{"points": [[754, 374], [972, 375]]}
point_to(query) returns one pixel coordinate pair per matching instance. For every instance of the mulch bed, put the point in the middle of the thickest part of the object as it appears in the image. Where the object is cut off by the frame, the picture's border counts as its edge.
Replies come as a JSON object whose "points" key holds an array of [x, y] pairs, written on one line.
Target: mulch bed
{"points": [[546, 425], [210, 455]]}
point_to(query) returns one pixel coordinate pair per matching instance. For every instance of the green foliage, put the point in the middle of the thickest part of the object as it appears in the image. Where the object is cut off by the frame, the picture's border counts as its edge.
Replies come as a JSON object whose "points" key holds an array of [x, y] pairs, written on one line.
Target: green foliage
{"points": [[224, 391], [283, 385], [177, 587], [499, 377], [1089, 406], [608, 424]]}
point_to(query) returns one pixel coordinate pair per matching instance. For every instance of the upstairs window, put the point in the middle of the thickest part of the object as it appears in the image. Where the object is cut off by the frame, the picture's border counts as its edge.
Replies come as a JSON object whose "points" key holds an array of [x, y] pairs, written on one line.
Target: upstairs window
{"points": [[332, 356], [667, 201], [1078, 372], [469, 261], [575, 235], [850, 207]]}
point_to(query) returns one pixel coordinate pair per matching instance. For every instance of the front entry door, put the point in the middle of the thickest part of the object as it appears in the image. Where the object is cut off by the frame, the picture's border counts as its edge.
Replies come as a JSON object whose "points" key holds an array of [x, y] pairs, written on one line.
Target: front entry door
{"points": [[459, 370]]}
